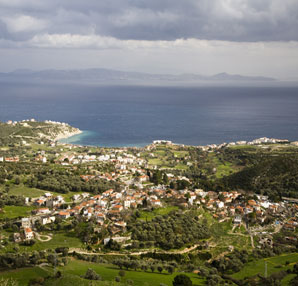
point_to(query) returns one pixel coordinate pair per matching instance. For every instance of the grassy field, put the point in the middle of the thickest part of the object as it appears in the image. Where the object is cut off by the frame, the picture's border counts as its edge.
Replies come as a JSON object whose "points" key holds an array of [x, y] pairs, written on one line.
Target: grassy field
{"points": [[222, 168], [244, 147], [58, 240], [180, 154], [256, 267], [74, 280], [21, 190], [181, 167], [16, 211], [140, 278], [24, 275], [287, 279], [161, 211], [157, 162], [74, 269], [222, 236], [164, 158]]}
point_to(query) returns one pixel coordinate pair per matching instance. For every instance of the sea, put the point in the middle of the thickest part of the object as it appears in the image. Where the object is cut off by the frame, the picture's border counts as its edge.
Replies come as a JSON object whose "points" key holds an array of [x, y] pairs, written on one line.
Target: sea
{"points": [[124, 115]]}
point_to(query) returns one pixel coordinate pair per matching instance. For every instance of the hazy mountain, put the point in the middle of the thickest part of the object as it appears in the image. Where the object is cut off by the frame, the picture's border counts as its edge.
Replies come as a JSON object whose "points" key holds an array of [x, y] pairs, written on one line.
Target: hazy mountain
{"points": [[102, 75]]}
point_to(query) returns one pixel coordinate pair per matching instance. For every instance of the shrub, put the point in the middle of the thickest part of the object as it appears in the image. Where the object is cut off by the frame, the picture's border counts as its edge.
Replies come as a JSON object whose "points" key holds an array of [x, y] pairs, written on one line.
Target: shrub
{"points": [[182, 280], [121, 273], [92, 275]]}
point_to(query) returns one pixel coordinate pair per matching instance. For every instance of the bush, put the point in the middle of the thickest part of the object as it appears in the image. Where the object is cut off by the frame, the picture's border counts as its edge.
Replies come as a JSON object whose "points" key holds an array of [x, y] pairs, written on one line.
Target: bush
{"points": [[36, 281], [92, 275], [182, 280], [121, 273]]}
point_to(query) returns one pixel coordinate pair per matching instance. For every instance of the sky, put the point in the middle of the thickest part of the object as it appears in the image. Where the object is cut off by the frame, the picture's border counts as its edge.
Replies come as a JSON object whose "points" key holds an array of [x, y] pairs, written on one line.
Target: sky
{"points": [[248, 37]]}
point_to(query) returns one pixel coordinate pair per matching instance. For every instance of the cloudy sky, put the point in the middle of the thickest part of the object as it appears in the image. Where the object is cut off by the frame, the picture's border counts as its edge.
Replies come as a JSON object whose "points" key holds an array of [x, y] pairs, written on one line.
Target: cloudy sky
{"points": [[249, 37]]}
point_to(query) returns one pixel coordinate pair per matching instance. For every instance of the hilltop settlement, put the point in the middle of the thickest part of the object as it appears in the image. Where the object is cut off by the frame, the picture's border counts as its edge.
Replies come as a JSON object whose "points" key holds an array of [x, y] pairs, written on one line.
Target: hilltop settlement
{"points": [[213, 215]]}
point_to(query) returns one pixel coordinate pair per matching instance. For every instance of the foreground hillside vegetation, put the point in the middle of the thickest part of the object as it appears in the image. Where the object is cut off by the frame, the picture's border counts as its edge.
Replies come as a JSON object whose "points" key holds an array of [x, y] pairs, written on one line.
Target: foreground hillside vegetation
{"points": [[158, 215]]}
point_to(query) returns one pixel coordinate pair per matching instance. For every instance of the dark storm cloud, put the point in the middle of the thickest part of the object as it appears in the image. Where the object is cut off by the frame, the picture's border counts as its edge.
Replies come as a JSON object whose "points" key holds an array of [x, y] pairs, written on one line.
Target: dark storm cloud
{"points": [[231, 20]]}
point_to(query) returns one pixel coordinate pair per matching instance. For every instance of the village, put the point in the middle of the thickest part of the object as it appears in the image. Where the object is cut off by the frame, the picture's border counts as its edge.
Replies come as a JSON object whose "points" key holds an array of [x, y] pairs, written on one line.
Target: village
{"points": [[111, 208], [160, 199]]}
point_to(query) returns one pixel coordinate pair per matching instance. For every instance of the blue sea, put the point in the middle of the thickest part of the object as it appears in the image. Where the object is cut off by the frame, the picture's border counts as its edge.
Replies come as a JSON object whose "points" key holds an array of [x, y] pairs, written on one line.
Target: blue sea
{"points": [[137, 115]]}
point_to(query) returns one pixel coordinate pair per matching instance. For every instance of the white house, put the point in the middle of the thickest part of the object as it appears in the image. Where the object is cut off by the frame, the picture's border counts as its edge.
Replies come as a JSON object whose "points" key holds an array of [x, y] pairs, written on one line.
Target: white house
{"points": [[127, 204], [220, 204], [28, 233], [238, 219], [64, 215], [43, 211], [265, 204], [47, 220], [156, 203]]}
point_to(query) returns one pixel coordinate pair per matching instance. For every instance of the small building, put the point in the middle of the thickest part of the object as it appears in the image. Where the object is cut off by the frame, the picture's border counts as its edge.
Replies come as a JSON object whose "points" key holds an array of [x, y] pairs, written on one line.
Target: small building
{"points": [[43, 211], [26, 223], [237, 220], [47, 220], [64, 215], [17, 237], [28, 234]]}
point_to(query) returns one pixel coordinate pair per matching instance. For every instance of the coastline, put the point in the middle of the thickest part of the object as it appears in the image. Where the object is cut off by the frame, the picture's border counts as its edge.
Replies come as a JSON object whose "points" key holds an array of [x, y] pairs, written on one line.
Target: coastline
{"points": [[74, 138], [67, 135]]}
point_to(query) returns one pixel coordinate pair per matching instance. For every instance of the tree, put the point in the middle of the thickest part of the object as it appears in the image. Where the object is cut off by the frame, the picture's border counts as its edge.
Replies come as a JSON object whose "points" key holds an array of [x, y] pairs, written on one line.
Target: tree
{"points": [[91, 275], [170, 269], [121, 273], [182, 280], [52, 259], [144, 267], [159, 268]]}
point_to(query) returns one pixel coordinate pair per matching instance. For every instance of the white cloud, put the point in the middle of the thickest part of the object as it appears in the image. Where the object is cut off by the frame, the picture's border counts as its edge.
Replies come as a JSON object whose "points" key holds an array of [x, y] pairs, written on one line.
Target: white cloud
{"points": [[24, 23], [136, 16], [19, 3], [200, 36]]}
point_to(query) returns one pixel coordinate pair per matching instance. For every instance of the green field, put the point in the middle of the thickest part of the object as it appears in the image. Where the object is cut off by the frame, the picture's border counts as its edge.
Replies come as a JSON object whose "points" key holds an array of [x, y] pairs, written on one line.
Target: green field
{"points": [[23, 275], [16, 211], [258, 267], [140, 278], [287, 279], [58, 240], [160, 152], [160, 211], [181, 167], [21, 190], [157, 162], [222, 236], [75, 268], [180, 154]]}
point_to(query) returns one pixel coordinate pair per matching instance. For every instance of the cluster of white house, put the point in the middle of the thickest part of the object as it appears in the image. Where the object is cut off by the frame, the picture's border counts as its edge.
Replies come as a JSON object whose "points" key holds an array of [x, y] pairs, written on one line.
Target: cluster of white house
{"points": [[263, 140]]}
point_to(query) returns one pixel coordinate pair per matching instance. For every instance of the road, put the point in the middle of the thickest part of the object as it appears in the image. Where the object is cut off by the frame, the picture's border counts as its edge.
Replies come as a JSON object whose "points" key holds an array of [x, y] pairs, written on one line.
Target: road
{"points": [[186, 250]]}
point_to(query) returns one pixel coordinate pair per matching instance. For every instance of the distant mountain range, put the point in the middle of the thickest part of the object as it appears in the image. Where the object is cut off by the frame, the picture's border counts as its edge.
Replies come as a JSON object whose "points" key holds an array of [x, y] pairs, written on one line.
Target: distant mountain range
{"points": [[102, 75]]}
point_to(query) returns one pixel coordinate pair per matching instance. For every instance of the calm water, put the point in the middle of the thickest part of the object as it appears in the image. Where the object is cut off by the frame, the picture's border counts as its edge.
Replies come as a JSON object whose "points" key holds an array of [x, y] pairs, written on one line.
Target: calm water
{"points": [[134, 116]]}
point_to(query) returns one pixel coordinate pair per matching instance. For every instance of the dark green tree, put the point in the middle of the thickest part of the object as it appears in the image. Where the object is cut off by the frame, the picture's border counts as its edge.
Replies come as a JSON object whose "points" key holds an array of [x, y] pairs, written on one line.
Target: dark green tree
{"points": [[182, 280]]}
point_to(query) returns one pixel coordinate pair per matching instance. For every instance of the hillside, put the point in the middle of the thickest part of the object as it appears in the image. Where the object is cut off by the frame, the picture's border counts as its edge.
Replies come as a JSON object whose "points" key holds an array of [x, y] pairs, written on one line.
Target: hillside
{"points": [[275, 176], [31, 131]]}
